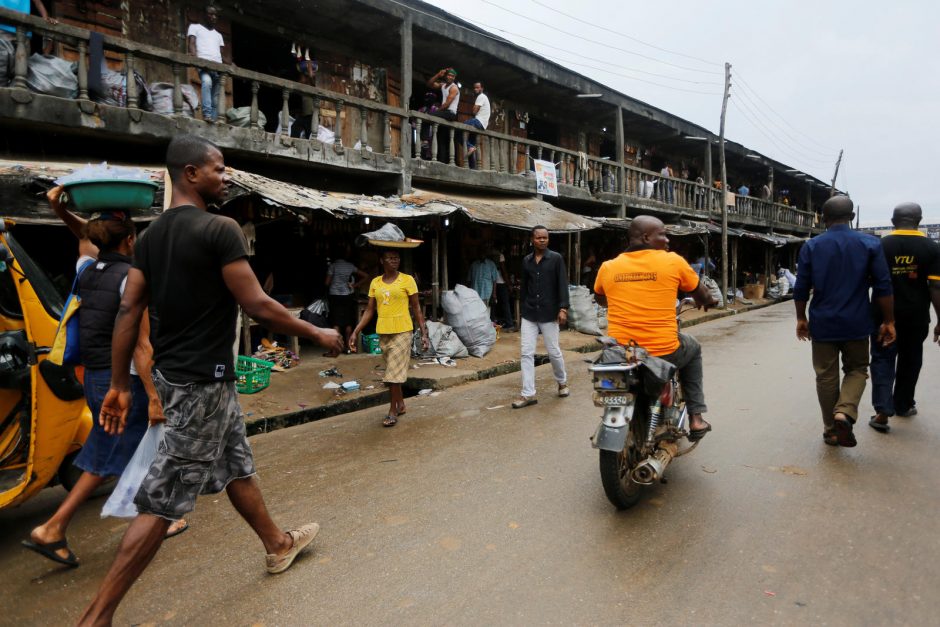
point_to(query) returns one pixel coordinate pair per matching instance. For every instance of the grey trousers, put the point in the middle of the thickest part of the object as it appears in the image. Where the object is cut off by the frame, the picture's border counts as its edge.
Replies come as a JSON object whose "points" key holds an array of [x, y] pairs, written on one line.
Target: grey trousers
{"points": [[688, 359]]}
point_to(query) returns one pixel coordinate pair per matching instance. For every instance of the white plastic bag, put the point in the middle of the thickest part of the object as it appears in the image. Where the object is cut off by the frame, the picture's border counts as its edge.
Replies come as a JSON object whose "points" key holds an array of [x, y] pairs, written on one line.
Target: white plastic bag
{"points": [[467, 315], [582, 312], [121, 502]]}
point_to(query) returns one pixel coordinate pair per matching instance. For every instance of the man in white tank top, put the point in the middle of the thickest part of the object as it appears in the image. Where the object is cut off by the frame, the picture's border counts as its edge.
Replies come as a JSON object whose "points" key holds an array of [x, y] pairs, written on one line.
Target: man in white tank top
{"points": [[450, 98]]}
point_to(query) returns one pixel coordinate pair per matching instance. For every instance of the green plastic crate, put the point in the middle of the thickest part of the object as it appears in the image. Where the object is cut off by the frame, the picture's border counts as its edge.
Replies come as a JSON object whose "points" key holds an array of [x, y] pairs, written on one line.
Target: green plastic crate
{"points": [[110, 195], [252, 375]]}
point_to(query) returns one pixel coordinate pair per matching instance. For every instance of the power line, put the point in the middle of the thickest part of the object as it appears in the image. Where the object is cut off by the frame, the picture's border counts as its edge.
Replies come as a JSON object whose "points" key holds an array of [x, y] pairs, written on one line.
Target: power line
{"points": [[745, 84], [598, 43], [624, 35], [798, 143], [642, 80], [796, 150], [605, 61], [767, 132], [788, 155]]}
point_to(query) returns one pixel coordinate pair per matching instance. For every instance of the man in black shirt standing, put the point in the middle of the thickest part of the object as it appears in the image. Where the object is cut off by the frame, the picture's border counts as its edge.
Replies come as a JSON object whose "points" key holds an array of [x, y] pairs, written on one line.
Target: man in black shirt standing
{"points": [[914, 262], [192, 268], [544, 298]]}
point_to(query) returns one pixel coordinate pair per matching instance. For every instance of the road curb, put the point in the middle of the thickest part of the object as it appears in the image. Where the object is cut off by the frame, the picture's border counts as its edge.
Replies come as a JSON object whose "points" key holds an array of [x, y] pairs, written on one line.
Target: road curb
{"points": [[381, 396]]}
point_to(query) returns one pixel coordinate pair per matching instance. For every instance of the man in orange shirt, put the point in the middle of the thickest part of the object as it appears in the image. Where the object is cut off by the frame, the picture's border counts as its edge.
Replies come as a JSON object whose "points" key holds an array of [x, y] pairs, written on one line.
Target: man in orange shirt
{"points": [[639, 288]]}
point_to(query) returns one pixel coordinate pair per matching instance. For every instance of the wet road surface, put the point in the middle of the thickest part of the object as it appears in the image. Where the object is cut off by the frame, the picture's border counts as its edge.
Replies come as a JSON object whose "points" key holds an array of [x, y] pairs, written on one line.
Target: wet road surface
{"points": [[469, 512]]}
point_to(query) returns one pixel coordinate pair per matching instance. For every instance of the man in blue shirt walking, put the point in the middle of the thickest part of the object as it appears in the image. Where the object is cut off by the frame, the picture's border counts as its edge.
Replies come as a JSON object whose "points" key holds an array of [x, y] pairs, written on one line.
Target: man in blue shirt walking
{"points": [[840, 266]]}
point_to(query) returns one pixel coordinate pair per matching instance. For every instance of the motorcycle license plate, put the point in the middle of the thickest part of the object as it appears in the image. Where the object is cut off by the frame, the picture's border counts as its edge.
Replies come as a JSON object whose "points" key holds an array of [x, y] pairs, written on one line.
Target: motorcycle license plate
{"points": [[603, 399]]}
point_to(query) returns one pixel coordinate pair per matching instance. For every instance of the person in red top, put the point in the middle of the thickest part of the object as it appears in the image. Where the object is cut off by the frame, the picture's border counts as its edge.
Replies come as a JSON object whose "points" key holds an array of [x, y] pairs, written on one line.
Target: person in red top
{"points": [[639, 288]]}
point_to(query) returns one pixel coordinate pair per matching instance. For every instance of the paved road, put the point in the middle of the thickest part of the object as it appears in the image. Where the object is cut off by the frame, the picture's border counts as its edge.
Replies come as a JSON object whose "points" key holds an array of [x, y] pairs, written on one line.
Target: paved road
{"points": [[471, 514]]}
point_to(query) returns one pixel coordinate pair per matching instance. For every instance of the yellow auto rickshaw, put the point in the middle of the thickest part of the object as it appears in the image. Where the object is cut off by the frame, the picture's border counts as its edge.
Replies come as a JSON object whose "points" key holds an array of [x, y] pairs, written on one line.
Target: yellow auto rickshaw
{"points": [[43, 416]]}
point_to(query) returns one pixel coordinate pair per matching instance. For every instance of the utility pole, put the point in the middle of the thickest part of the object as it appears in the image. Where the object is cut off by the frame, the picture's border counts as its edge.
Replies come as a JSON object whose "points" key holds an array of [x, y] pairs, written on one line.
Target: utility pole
{"points": [[832, 188], [724, 189]]}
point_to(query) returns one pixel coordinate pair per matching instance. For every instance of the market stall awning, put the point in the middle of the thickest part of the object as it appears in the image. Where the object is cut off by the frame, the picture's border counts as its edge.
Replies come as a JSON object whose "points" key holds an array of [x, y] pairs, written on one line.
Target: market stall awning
{"points": [[676, 230], [299, 197], [517, 213], [23, 186]]}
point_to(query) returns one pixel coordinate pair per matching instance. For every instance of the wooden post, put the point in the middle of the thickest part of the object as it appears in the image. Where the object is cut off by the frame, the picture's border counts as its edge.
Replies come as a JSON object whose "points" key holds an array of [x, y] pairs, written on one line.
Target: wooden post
{"points": [[406, 81], [734, 263], [435, 272], [315, 118], [832, 187], [387, 134], [724, 189], [450, 145], [773, 206], [621, 172], [434, 127], [445, 276], [417, 147], [568, 258], [577, 258]]}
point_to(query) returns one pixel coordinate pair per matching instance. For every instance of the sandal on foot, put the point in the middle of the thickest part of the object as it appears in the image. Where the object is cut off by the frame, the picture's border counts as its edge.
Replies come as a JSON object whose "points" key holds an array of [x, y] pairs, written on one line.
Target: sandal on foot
{"points": [[881, 427], [49, 551], [830, 438], [172, 533], [843, 431], [390, 421], [697, 434]]}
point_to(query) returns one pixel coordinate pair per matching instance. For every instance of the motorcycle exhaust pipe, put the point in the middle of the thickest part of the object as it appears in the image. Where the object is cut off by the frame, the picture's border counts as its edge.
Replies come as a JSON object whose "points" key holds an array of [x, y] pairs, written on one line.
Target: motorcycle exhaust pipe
{"points": [[652, 468]]}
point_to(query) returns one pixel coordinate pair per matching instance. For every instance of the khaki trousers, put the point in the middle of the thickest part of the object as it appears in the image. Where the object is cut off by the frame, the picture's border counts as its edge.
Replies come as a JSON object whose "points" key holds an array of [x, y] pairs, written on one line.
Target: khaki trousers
{"points": [[833, 397]]}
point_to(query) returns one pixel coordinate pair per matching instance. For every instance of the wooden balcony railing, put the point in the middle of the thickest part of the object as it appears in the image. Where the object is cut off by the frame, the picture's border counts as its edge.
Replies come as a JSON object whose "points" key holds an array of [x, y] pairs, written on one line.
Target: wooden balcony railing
{"points": [[432, 138]]}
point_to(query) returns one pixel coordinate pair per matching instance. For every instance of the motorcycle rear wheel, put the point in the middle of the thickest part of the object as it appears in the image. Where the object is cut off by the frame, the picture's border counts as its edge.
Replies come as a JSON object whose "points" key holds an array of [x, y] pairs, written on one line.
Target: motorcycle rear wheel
{"points": [[615, 469]]}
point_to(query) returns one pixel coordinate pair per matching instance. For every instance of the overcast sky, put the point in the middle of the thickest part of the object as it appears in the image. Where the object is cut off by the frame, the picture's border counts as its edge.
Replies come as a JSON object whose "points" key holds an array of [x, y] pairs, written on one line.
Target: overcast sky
{"points": [[808, 78]]}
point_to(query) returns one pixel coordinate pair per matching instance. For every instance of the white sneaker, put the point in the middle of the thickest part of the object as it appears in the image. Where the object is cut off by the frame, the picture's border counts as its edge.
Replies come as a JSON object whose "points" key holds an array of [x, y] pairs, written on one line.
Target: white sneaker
{"points": [[563, 390]]}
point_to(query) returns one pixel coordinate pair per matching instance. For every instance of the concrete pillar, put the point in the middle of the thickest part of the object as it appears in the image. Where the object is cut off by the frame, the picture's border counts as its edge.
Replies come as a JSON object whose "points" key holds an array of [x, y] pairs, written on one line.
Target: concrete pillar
{"points": [[406, 80], [621, 188]]}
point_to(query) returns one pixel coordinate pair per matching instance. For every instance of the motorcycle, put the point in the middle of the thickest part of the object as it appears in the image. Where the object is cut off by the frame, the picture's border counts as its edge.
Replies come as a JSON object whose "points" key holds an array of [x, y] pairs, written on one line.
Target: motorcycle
{"points": [[644, 418]]}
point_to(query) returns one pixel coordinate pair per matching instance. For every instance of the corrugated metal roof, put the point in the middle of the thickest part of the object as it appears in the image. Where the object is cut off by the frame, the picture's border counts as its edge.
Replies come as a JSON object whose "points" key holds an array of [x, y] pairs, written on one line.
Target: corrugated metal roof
{"points": [[23, 186], [518, 213], [677, 230]]}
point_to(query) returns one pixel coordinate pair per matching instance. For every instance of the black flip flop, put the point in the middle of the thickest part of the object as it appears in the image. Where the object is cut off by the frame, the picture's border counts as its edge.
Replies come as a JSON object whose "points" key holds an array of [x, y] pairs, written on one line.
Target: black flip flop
{"points": [[843, 429], [49, 551], [881, 427], [697, 434]]}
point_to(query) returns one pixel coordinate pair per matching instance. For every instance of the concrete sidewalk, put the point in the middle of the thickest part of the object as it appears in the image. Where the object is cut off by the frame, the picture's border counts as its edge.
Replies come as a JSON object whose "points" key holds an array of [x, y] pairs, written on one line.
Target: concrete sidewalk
{"points": [[297, 396]]}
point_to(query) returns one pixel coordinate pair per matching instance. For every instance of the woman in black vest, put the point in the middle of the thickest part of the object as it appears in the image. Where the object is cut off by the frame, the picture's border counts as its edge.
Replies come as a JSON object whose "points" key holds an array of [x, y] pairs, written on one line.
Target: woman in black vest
{"points": [[100, 287]]}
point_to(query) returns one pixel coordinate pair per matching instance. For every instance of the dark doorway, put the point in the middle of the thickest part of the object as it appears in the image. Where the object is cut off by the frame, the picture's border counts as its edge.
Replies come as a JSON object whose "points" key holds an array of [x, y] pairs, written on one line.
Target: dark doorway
{"points": [[268, 54]]}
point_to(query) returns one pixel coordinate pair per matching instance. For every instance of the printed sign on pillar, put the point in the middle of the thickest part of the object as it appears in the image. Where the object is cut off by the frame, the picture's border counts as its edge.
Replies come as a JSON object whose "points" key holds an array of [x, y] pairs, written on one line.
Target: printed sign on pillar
{"points": [[546, 179]]}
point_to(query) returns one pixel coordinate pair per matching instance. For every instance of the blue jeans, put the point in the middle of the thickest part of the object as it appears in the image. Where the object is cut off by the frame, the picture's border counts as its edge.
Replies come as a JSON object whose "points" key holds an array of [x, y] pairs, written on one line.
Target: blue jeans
{"points": [[472, 142], [210, 94]]}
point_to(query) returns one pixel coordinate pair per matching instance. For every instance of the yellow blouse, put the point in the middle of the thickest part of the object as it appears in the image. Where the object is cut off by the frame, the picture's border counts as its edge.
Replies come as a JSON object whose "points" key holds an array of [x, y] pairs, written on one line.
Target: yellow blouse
{"points": [[391, 303]]}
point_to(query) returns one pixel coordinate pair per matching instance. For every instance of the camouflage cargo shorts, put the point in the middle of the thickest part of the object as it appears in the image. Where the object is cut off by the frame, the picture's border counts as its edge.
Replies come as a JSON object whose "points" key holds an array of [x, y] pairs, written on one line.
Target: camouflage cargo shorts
{"points": [[204, 447]]}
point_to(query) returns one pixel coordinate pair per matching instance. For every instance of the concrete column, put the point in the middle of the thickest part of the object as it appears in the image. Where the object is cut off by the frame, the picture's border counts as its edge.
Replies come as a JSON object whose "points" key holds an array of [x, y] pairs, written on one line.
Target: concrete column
{"points": [[406, 81], [619, 162]]}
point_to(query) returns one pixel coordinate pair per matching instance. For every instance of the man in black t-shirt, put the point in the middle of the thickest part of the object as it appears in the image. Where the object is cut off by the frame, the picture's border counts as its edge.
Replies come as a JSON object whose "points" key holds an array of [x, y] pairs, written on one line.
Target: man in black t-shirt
{"points": [[914, 262], [192, 267]]}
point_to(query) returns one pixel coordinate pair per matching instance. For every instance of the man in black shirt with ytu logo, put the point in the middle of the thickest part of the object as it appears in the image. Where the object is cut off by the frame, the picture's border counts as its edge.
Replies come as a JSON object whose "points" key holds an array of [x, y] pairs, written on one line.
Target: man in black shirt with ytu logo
{"points": [[914, 262], [192, 267]]}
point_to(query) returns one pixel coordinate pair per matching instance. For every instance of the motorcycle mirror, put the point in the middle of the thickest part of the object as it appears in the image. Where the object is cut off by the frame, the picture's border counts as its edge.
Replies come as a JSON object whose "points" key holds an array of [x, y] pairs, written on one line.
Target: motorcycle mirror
{"points": [[5, 257]]}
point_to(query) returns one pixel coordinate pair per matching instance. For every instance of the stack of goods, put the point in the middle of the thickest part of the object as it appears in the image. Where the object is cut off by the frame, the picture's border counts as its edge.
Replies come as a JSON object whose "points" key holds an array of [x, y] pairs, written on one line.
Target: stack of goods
{"points": [[281, 358]]}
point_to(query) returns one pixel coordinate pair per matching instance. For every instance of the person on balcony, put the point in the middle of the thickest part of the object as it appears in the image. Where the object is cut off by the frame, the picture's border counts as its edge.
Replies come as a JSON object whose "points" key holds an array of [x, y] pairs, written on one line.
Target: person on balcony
{"points": [[8, 35], [480, 120], [205, 42], [450, 98], [306, 75], [668, 190]]}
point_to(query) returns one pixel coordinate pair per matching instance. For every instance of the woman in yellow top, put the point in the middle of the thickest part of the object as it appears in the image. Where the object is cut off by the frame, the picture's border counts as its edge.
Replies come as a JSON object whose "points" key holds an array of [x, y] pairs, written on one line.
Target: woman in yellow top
{"points": [[391, 295]]}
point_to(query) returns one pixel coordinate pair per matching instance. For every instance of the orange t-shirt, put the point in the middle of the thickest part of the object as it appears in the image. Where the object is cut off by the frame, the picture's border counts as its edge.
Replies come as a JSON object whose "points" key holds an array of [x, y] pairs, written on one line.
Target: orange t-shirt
{"points": [[641, 289]]}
